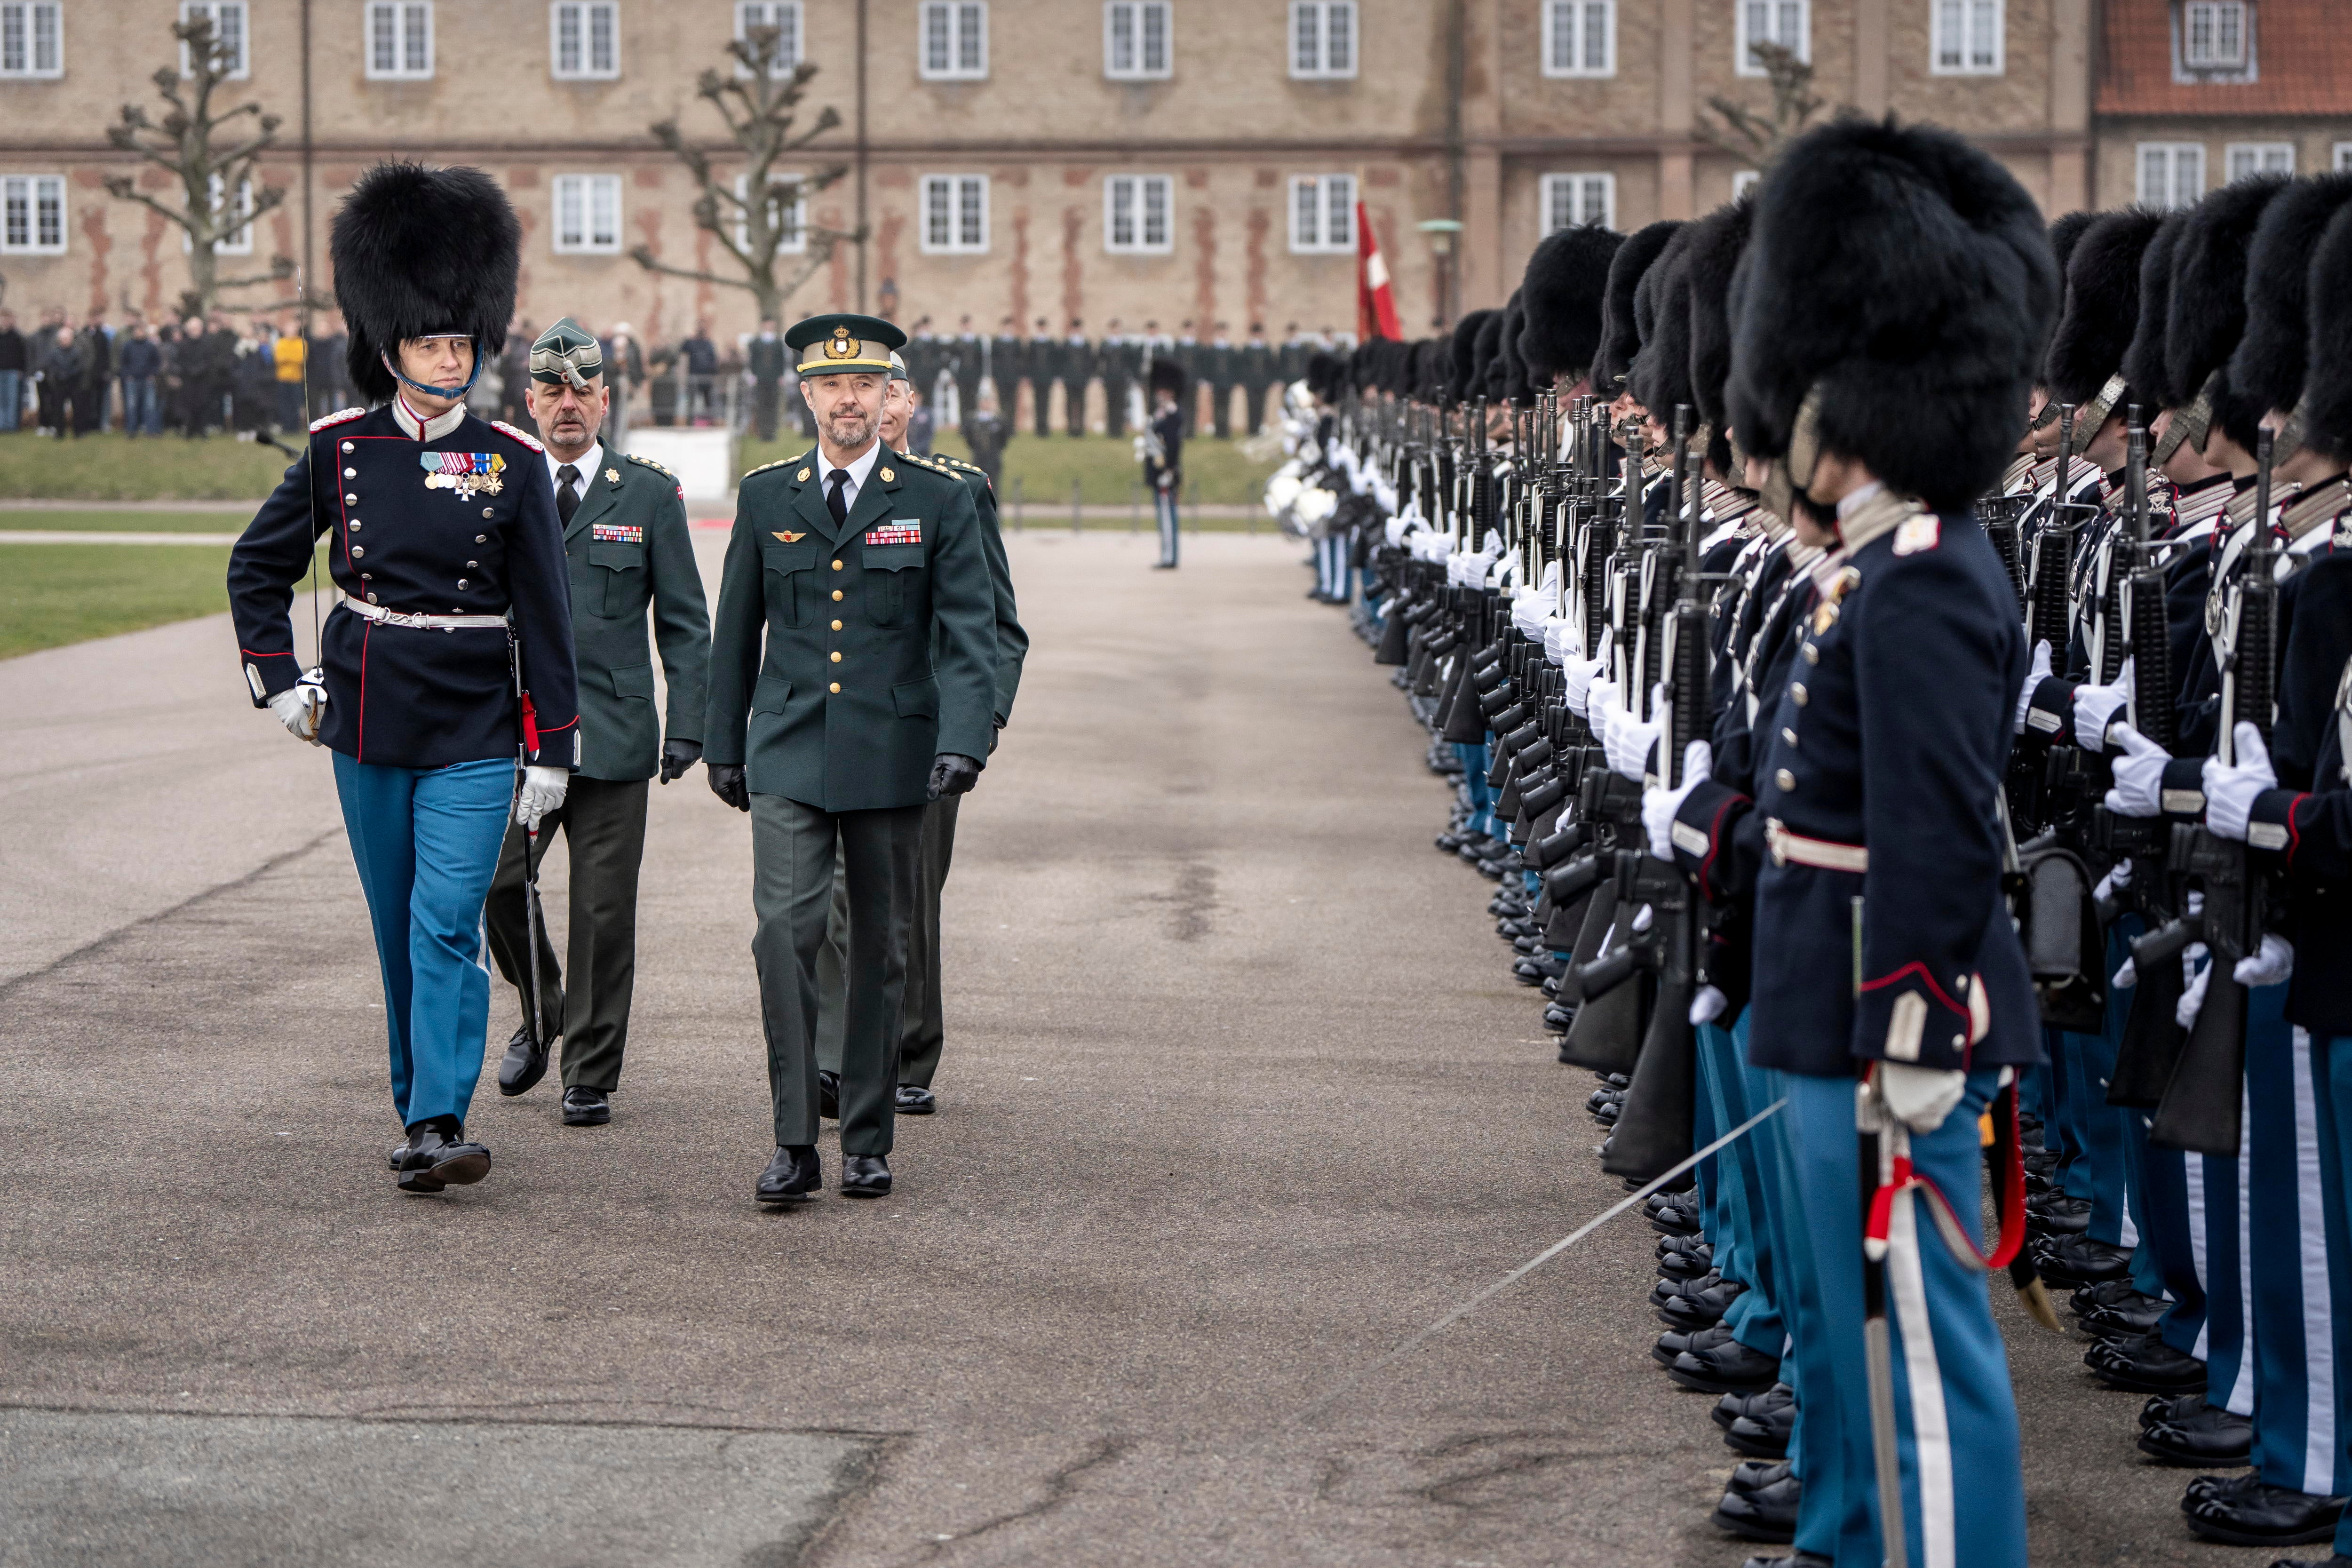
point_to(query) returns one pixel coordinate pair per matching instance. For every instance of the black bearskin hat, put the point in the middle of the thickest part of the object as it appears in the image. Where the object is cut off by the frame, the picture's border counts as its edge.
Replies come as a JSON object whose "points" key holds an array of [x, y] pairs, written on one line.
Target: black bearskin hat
{"points": [[1612, 359], [2207, 313], [2143, 364], [2102, 308], [1902, 279], [1326, 374], [1562, 294], [1485, 352], [2326, 403], [1462, 365], [2266, 370], [418, 251], [1508, 378], [2066, 233], [1661, 377], [1713, 256], [1166, 373]]}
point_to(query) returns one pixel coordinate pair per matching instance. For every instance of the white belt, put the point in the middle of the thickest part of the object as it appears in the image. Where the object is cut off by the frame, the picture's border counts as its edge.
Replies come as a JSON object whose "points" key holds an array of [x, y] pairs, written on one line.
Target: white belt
{"points": [[1787, 846], [377, 613]]}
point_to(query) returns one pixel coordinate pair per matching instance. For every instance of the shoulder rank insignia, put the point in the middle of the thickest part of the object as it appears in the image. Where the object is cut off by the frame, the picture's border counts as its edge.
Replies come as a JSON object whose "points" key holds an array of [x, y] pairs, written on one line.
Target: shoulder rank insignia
{"points": [[339, 417], [528, 440], [778, 463], [790, 538], [1915, 534], [648, 463]]}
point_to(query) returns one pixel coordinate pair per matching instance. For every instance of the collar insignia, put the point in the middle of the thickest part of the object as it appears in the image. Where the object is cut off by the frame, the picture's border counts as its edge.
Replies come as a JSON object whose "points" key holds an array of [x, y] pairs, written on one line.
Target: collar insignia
{"points": [[888, 475], [804, 476], [611, 476]]}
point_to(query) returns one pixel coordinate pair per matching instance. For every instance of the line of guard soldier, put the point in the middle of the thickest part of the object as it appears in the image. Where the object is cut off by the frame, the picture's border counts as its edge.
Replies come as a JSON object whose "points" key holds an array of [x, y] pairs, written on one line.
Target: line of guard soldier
{"points": [[1895, 660]]}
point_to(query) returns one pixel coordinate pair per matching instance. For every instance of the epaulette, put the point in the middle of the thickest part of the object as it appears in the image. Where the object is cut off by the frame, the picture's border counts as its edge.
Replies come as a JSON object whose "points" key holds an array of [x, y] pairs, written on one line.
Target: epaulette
{"points": [[339, 417], [530, 441], [778, 463], [649, 463]]}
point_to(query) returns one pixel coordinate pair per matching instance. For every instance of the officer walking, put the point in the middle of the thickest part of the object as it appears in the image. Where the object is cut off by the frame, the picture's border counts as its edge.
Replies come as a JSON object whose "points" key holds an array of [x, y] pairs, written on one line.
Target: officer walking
{"points": [[866, 577], [1163, 454], [628, 549], [450, 653]]}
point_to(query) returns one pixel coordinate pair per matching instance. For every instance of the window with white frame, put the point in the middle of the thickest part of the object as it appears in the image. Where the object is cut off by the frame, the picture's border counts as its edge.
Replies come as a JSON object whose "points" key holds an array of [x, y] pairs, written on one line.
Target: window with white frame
{"points": [[1322, 37], [237, 241], [1139, 215], [1744, 181], [954, 44], [587, 214], [1135, 39], [585, 39], [1323, 214], [784, 16], [1789, 23], [787, 212], [1571, 200], [399, 39], [2171, 174], [2213, 34], [32, 39], [1966, 36], [955, 213], [228, 20], [33, 215], [2249, 158], [1579, 37]]}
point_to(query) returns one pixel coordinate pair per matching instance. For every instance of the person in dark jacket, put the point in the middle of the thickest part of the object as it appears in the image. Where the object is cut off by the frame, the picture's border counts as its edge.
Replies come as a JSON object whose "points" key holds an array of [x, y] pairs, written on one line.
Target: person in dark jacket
{"points": [[141, 366], [65, 365], [13, 357], [1163, 449], [91, 396]]}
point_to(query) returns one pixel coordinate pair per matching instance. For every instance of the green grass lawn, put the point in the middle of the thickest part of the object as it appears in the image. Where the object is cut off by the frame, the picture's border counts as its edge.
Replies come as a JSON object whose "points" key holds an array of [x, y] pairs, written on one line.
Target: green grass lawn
{"points": [[56, 593]]}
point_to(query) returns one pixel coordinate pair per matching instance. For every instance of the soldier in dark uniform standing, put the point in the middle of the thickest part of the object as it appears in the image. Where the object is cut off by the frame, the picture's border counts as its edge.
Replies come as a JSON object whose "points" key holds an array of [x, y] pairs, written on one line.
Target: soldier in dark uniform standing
{"points": [[866, 577], [628, 549], [1163, 454], [450, 655], [764, 358]]}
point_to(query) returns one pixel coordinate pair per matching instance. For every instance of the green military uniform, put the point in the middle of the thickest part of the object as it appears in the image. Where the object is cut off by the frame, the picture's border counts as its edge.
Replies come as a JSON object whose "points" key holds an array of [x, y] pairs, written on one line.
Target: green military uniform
{"points": [[850, 655], [629, 549]]}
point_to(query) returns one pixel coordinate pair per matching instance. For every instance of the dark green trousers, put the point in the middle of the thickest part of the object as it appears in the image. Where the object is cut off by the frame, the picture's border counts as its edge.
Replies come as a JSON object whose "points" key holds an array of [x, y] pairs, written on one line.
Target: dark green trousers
{"points": [[794, 849], [923, 1028], [604, 824]]}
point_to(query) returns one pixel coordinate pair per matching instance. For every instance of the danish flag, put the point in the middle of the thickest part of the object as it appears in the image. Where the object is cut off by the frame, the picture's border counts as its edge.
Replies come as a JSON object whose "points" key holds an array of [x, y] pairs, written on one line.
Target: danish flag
{"points": [[1376, 313]]}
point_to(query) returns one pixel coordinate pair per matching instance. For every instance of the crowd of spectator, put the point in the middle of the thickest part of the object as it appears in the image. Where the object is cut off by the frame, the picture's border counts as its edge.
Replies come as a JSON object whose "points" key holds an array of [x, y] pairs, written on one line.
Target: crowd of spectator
{"points": [[200, 377]]}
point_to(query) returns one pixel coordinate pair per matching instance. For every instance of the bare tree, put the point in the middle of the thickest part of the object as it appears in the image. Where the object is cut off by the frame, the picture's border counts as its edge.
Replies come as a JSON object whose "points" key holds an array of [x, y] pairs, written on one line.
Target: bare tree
{"points": [[218, 197], [1758, 138], [757, 222]]}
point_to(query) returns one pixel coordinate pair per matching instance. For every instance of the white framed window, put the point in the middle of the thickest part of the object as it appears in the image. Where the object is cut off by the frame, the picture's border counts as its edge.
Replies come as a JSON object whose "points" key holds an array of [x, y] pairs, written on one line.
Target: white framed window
{"points": [[399, 39], [1570, 200], [587, 214], [1789, 23], [2247, 158], [1136, 40], [237, 241], [228, 20], [1579, 37], [1139, 215], [32, 39], [1965, 37], [2213, 34], [1744, 181], [583, 39], [33, 215], [789, 219], [1323, 214], [1322, 38], [2343, 156], [2171, 174], [784, 16], [954, 42], [955, 214]]}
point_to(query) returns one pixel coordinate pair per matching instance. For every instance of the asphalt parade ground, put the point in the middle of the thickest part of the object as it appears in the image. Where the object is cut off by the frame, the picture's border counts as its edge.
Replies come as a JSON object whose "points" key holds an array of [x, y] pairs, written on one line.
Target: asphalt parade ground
{"points": [[1238, 1094]]}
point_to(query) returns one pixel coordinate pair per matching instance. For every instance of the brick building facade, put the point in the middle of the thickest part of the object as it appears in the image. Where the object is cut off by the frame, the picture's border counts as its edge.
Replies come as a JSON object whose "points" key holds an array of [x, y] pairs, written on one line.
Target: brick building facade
{"points": [[1101, 161]]}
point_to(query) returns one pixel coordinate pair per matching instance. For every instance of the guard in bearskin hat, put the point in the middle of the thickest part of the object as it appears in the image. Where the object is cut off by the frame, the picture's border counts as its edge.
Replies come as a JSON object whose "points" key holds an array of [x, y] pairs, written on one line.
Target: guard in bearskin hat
{"points": [[444, 686]]}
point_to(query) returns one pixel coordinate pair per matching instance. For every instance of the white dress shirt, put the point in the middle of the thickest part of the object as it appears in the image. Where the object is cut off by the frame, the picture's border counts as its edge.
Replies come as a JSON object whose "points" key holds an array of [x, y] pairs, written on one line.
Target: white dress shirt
{"points": [[588, 462], [858, 471]]}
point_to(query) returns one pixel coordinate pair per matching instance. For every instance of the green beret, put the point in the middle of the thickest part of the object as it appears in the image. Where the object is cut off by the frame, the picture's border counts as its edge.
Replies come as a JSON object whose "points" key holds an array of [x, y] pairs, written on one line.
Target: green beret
{"points": [[566, 355]]}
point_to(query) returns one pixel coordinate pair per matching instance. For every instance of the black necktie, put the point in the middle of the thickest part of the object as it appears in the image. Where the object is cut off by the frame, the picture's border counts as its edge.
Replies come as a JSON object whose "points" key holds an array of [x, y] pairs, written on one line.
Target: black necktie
{"points": [[837, 502], [567, 492]]}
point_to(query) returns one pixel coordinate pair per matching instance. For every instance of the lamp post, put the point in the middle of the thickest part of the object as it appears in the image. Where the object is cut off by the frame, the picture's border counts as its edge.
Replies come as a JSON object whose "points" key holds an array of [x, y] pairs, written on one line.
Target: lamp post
{"points": [[1441, 232]]}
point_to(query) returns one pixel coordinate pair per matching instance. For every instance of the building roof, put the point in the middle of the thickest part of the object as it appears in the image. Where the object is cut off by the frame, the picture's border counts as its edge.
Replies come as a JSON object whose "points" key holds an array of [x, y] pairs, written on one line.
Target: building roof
{"points": [[2303, 62]]}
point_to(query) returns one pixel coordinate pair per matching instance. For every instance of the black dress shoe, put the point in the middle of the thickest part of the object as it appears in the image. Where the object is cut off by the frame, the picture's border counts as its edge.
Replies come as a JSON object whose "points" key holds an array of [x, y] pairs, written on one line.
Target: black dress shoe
{"points": [[865, 1176], [2208, 1437], [1767, 1513], [1675, 1219], [1557, 1018], [1753, 1475], [1673, 1342], [437, 1156], [2338, 1560], [2124, 1319], [2262, 1515], [1732, 1406], [399, 1152], [915, 1101], [1794, 1559], [2058, 1214], [828, 1095], [584, 1107], [1727, 1368], [2144, 1366], [524, 1064], [790, 1176], [1700, 1307], [1763, 1427], [2075, 1260], [1685, 1265], [2108, 1293], [2169, 1407]]}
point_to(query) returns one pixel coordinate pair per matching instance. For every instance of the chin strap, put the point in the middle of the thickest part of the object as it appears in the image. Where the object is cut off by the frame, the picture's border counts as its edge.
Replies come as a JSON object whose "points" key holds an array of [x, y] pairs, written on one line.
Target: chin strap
{"points": [[457, 397]]}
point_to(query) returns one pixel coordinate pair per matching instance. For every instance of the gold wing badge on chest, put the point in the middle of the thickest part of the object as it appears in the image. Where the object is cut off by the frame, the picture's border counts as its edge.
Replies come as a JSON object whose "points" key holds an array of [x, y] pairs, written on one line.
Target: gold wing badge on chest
{"points": [[464, 472]]}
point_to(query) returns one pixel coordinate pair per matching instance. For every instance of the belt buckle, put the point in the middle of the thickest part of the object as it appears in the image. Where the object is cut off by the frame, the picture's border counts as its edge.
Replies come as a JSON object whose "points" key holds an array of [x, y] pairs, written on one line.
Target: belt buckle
{"points": [[1776, 839]]}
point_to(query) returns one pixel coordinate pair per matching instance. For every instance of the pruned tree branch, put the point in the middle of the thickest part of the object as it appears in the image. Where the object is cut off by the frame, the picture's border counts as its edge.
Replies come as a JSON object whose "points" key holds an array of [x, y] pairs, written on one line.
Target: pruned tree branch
{"points": [[1758, 138]]}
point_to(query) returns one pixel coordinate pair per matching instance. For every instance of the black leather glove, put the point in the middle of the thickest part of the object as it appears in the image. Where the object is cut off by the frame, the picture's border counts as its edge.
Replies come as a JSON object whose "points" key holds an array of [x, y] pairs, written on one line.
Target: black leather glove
{"points": [[677, 756], [727, 782], [952, 774]]}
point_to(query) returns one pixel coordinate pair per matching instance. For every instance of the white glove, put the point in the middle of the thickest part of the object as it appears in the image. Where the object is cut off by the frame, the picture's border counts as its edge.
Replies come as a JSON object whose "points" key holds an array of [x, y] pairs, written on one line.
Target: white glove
{"points": [[2115, 881], [2139, 777], [2269, 966], [1920, 1098], [543, 790], [1660, 803], [2033, 677], [1628, 743], [2127, 977], [1600, 702], [300, 706], [1583, 675], [2230, 792], [1708, 1005], [2096, 708], [2192, 998], [1642, 919]]}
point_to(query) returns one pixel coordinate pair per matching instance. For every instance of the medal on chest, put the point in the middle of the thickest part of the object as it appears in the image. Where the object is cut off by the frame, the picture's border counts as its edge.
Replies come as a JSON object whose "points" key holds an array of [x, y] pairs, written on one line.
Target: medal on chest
{"points": [[464, 472]]}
